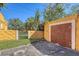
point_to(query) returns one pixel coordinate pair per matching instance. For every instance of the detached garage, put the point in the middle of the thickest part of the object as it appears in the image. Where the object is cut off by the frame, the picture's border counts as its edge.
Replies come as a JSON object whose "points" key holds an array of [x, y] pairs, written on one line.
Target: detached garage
{"points": [[64, 31]]}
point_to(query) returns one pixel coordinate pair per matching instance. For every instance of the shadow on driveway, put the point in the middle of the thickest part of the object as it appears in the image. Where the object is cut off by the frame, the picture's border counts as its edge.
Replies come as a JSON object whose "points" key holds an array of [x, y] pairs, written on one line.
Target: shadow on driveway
{"points": [[52, 49]]}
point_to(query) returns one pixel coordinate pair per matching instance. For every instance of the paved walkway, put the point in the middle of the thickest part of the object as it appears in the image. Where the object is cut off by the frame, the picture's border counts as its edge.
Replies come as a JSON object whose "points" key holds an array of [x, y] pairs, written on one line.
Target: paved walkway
{"points": [[24, 50], [39, 48]]}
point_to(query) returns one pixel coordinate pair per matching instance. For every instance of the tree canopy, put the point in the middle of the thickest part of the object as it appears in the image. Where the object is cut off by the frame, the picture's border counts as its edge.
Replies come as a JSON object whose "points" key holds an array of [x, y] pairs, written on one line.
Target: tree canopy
{"points": [[53, 12], [16, 24]]}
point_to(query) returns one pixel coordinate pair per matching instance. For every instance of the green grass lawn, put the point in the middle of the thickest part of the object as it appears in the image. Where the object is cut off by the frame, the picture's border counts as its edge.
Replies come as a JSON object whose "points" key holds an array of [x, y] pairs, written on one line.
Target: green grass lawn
{"points": [[13, 43]]}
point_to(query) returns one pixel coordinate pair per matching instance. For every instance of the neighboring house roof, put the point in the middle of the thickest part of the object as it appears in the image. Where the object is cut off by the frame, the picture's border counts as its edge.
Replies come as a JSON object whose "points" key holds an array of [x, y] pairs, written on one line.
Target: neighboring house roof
{"points": [[3, 22], [2, 19]]}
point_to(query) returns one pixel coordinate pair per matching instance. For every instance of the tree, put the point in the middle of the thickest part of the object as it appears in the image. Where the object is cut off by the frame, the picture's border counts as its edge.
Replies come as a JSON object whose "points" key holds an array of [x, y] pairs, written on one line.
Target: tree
{"points": [[41, 26], [15, 24], [75, 9], [30, 23], [37, 19], [2, 5], [53, 12], [33, 23]]}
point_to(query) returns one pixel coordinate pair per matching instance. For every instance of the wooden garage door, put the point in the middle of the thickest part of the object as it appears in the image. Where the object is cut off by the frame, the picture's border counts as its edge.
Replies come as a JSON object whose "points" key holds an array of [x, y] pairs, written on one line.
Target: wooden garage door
{"points": [[61, 34]]}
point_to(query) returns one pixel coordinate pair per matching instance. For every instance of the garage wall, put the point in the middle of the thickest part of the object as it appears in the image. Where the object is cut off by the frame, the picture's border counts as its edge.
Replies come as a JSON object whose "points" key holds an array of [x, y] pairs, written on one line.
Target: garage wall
{"points": [[67, 18], [77, 34], [46, 26]]}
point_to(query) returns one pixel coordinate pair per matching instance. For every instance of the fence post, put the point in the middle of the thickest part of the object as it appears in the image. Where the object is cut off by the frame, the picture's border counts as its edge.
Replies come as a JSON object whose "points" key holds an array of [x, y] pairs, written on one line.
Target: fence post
{"points": [[17, 35]]}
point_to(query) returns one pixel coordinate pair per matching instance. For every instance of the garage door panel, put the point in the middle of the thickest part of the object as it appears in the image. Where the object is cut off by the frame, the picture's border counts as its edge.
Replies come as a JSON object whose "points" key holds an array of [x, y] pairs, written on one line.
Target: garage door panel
{"points": [[61, 34]]}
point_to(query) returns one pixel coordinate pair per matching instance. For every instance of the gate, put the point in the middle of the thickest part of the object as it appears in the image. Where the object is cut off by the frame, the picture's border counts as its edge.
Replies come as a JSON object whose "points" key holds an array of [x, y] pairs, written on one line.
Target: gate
{"points": [[22, 35]]}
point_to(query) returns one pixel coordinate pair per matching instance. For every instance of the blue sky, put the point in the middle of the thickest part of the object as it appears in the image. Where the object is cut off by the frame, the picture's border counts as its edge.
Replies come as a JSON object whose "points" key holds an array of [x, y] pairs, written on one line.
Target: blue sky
{"points": [[21, 10], [25, 10]]}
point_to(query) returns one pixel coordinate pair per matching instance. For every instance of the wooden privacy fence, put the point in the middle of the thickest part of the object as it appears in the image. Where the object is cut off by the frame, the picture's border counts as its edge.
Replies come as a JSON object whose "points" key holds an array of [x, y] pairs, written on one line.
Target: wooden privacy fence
{"points": [[8, 34], [35, 34]]}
